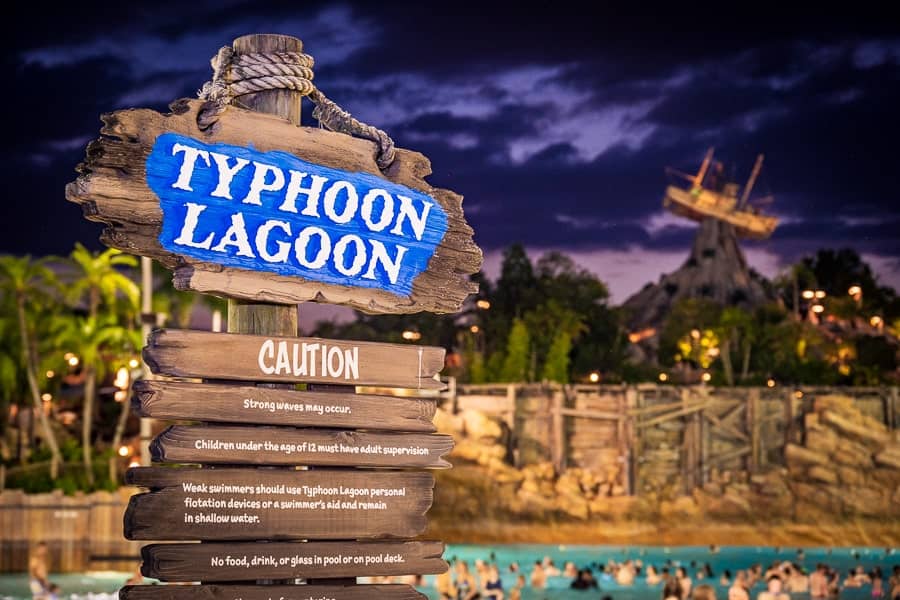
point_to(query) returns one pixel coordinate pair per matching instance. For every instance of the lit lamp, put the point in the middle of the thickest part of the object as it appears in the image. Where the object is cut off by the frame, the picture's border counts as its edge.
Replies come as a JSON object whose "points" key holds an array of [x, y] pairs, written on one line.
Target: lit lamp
{"points": [[877, 322], [411, 335], [770, 383], [808, 294], [855, 292], [663, 377], [483, 304], [594, 377], [705, 377]]}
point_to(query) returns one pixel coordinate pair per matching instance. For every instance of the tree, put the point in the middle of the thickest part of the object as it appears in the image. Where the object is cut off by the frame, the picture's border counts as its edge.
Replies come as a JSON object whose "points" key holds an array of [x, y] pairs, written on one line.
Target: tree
{"points": [[90, 339], [25, 282], [98, 279], [735, 331], [556, 367], [518, 350]]}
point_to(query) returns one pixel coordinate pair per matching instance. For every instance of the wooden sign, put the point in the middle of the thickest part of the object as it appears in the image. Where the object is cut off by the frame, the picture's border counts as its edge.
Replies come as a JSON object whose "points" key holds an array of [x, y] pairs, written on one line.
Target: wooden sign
{"points": [[286, 446], [206, 355], [266, 406], [234, 561], [270, 592], [256, 504], [260, 209]]}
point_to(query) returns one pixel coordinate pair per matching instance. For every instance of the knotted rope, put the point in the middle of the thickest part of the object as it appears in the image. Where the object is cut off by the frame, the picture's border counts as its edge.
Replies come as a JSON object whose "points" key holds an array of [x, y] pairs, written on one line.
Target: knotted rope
{"points": [[236, 75]]}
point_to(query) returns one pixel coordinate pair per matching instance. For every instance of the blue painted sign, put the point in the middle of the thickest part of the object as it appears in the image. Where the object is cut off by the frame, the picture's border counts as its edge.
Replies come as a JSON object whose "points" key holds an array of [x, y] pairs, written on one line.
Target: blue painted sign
{"points": [[273, 212]]}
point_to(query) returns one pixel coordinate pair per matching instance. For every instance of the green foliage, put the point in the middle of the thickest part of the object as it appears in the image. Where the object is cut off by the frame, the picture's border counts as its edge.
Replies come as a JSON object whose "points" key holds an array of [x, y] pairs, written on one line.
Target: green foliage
{"points": [[687, 315], [556, 367], [516, 361]]}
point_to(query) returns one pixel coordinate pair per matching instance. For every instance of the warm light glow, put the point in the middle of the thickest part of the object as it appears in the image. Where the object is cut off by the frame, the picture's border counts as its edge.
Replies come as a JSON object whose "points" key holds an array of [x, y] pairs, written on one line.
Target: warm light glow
{"points": [[798, 394], [808, 294], [122, 377], [663, 377], [134, 463], [695, 333], [46, 397], [411, 335], [68, 355], [120, 395], [124, 451], [713, 351], [770, 383], [818, 308], [133, 363], [594, 377], [474, 329], [483, 304], [636, 336], [855, 290], [705, 377], [50, 374], [876, 321], [820, 294], [73, 361]]}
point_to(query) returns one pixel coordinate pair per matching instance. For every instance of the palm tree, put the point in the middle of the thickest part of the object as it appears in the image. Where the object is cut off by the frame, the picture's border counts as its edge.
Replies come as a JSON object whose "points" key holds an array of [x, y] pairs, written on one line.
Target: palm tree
{"points": [[23, 282], [100, 280], [92, 340]]}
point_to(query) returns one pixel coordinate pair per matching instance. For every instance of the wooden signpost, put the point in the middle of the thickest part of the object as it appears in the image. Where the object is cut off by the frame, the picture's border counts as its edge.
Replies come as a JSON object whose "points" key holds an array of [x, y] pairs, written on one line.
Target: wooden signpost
{"points": [[244, 203]]}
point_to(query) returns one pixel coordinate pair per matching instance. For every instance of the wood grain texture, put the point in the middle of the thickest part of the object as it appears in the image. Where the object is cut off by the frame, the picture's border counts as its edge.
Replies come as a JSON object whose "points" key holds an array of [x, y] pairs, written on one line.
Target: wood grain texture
{"points": [[235, 561], [112, 189], [270, 592], [161, 399], [182, 500], [288, 446], [182, 353]]}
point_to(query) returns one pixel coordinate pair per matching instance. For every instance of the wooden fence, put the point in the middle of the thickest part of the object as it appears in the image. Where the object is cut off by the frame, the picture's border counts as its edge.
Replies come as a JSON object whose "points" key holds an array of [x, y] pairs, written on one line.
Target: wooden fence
{"points": [[83, 532], [651, 436]]}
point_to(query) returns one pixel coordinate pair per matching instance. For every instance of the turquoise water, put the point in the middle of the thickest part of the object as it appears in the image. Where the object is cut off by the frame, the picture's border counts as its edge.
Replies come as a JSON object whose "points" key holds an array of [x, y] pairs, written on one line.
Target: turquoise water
{"points": [[733, 558]]}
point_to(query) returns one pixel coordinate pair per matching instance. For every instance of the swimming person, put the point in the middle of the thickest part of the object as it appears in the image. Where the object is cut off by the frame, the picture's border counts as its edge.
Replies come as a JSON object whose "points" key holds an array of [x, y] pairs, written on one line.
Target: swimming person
{"points": [[38, 573], [684, 581], [773, 590], [818, 582], [703, 592], [653, 577], [466, 587], [739, 590], [672, 589], [491, 586], [538, 576]]}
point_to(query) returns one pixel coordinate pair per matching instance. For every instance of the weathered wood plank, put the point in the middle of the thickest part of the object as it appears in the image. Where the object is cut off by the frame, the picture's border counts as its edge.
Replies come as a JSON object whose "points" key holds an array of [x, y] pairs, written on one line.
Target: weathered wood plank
{"points": [[270, 592], [182, 353], [287, 446], [584, 413], [113, 189], [672, 415], [235, 561], [278, 504], [265, 406]]}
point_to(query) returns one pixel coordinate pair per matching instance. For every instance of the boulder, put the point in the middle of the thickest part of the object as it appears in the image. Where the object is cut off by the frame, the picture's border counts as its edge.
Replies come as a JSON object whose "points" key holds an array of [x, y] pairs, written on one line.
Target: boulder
{"points": [[479, 426], [849, 475], [447, 422], [865, 430], [889, 457], [865, 501], [574, 506], [839, 404], [799, 455], [823, 474], [823, 440], [853, 454]]}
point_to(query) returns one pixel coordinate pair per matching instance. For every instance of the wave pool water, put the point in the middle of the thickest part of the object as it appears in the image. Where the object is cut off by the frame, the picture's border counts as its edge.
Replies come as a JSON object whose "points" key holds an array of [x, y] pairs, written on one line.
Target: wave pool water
{"points": [[103, 585]]}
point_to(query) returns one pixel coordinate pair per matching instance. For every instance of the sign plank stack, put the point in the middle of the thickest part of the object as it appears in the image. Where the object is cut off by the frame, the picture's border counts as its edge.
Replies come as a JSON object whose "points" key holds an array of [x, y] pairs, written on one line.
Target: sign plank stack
{"points": [[284, 472], [235, 499]]}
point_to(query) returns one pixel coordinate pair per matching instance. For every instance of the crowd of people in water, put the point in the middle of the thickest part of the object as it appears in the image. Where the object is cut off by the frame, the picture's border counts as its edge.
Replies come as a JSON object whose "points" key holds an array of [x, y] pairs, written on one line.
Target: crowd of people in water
{"points": [[676, 581]]}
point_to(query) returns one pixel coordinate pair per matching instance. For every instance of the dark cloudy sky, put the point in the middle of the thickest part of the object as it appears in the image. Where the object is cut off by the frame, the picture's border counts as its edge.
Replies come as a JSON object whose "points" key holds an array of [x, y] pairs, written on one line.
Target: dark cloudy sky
{"points": [[554, 122]]}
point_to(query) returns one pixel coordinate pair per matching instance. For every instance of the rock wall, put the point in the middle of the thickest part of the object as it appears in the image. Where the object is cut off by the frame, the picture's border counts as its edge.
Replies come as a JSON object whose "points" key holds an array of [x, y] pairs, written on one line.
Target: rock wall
{"points": [[846, 469]]}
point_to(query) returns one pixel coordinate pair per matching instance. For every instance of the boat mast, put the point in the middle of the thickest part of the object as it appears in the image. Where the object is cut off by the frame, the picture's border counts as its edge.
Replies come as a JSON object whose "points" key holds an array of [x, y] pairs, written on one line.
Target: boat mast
{"points": [[757, 167], [698, 179]]}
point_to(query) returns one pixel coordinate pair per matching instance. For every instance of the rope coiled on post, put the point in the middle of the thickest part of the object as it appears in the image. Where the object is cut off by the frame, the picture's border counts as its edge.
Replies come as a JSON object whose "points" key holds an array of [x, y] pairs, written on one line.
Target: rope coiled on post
{"points": [[236, 75]]}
